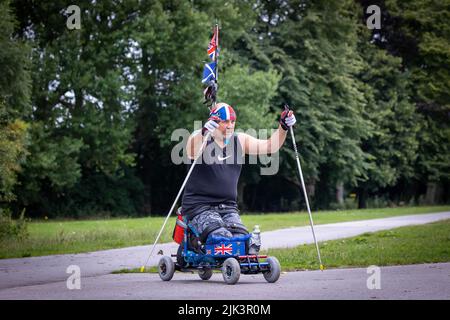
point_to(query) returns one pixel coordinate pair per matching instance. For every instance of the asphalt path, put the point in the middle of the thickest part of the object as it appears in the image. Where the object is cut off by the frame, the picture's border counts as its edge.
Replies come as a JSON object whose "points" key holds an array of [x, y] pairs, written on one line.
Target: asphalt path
{"points": [[423, 281], [50, 270]]}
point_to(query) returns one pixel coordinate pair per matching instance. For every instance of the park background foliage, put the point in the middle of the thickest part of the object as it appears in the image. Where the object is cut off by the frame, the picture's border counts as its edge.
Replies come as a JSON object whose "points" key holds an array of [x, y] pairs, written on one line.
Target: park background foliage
{"points": [[86, 115]]}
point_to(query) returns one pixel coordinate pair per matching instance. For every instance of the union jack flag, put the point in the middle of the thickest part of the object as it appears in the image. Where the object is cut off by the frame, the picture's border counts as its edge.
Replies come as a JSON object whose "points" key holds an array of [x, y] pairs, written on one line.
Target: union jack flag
{"points": [[223, 249], [212, 47]]}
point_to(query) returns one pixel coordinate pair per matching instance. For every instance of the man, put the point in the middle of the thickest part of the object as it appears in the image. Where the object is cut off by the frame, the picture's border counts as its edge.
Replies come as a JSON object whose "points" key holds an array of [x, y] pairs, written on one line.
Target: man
{"points": [[210, 196]]}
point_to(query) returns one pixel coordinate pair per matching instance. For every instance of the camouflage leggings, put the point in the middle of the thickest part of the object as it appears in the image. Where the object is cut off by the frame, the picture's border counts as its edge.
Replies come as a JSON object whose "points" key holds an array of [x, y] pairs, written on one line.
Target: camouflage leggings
{"points": [[216, 215]]}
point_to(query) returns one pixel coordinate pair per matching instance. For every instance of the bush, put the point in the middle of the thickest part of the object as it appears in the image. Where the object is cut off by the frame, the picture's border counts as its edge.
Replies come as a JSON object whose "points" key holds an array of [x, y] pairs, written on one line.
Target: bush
{"points": [[348, 204], [378, 202], [13, 229]]}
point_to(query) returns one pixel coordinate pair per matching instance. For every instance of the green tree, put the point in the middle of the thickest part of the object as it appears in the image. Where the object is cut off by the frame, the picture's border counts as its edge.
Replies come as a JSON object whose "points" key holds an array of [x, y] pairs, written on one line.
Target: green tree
{"points": [[314, 47], [393, 144], [419, 32], [81, 96], [14, 100]]}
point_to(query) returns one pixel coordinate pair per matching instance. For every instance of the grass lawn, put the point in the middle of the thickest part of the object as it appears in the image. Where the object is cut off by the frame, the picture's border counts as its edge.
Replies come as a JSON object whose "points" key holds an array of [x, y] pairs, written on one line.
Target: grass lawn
{"points": [[59, 237], [427, 243], [406, 245]]}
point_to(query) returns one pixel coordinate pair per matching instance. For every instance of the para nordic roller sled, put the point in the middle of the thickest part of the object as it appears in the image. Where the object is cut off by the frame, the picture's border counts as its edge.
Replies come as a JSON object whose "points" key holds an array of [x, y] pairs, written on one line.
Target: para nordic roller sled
{"points": [[230, 255]]}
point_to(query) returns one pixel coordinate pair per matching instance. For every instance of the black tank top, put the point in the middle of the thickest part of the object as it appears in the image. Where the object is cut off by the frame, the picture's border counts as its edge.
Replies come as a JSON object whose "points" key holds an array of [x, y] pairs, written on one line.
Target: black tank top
{"points": [[215, 177]]}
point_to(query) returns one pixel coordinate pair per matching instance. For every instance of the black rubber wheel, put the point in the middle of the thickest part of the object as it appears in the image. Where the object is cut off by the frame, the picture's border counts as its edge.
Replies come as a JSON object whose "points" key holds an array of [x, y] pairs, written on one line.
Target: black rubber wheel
{"points": [[274, 272], [231, 271], [166, 268], [205, 273]]}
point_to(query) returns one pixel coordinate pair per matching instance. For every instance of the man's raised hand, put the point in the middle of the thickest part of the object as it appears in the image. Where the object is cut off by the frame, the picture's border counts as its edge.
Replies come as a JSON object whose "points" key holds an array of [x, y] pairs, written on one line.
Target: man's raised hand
{"points": [[287, 119], [211, 125]]}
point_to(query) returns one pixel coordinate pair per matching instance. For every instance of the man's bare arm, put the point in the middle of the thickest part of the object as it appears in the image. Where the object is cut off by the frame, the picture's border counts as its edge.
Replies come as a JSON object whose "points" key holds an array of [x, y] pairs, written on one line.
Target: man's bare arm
{"points": [[196, 139], [193, 144], [254, 146]]}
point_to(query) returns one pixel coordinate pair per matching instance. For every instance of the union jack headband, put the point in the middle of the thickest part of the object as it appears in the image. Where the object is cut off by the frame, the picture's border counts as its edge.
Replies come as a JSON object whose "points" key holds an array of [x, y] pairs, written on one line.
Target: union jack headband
{"points": [[224, 112]]}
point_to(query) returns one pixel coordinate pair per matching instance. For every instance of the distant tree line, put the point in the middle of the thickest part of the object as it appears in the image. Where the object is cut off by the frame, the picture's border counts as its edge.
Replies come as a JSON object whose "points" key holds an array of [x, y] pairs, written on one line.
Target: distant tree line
{"points": [[86, 115]]}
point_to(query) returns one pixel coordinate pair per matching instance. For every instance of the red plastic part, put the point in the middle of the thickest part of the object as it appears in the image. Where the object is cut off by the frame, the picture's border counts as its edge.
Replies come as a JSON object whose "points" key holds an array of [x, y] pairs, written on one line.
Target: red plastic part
{"points": [[178, 232]]}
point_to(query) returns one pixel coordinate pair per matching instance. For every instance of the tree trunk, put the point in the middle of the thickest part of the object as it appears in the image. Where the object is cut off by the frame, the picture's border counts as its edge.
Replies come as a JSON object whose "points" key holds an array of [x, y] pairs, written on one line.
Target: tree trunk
{"points": [[340, 192], [362, 198], [147, 207], [146, 143], [310, 192], [254, 198], [240, 198], [430, 197], [310, 188]]}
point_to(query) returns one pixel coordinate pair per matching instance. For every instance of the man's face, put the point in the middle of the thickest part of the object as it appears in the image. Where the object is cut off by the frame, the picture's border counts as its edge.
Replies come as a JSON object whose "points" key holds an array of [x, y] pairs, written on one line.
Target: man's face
{"points": [[226, 128]]}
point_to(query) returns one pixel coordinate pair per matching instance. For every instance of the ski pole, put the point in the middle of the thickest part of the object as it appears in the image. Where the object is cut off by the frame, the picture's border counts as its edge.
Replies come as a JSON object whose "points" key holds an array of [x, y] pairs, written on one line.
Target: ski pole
{"points": [[306, 196], [176, 199]]}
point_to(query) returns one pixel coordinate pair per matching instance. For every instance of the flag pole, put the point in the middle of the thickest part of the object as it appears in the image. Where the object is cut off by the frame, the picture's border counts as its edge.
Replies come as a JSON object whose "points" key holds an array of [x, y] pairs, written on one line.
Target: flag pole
{"points": [[216, 56]]}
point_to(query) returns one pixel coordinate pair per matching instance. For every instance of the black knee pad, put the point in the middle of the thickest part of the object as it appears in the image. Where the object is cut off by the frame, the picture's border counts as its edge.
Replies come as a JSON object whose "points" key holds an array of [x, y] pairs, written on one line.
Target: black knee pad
{"points": [[210, 228], [236, 228]]}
